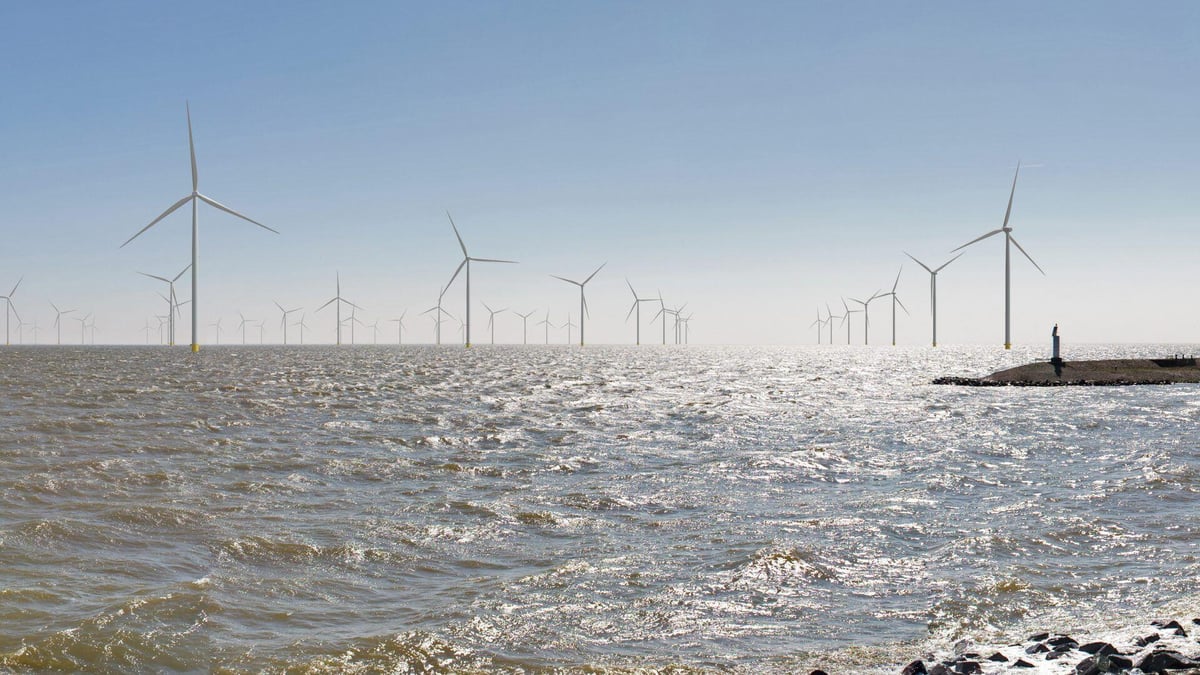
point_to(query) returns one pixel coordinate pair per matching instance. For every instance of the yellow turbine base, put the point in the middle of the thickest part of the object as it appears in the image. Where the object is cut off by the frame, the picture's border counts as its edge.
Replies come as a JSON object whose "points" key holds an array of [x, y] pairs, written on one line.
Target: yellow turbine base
{"points": [[468, 345], [195, 348], [1008, 345]]}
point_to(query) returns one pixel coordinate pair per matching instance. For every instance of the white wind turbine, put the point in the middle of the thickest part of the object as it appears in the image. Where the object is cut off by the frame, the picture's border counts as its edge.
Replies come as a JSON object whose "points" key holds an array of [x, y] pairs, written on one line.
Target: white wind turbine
{"points": [[830, 316], [58, 314], [195, 197], [374, 332], [283, 319], [437, 318], [217, 325], [895, 301], [866, 314], [1008, 239], [339, 300], [82, 328], [172, 301], [354, 320], [9, 308], [637, 307], [819, 323], [524, 326], [583, 311], [933, 288], [568, 325], [492, 319], [303, 325], [400, 327], [241, 326], [466, 262], [846, 318], [546, 322]]}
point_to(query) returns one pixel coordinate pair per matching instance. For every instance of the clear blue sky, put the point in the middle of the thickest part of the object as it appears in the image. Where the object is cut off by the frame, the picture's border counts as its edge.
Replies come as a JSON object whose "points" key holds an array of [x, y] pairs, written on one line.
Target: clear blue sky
{"points": [[751, 159]]}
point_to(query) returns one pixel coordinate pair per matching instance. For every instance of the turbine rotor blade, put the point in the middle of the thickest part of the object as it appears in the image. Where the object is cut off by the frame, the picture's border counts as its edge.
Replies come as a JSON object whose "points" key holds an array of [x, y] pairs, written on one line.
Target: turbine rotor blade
{"points": [[458, 236], [154, 276], [511, 262], [154, 222], [919, 262], [989, 234], [192, 148], [948, 262], [181, 273], [1027, 256], [228, 210], [1008, 211], [453, 277], [569, 281], [595, 273], [326, 304]]}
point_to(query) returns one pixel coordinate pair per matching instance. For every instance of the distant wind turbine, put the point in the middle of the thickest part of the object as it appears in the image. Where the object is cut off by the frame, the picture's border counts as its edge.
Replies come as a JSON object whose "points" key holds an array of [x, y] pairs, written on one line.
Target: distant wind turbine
{"points": [[400, 327], [895, 301], [846, 318], [583, 310], [568, 325], [172, 301], [303, 325], [1008, 239], [524, 326], [466, 262], [637, 307], [866, 315], [933, 288], [546, 322], [437, 318], [195, 197], [492, 319], [241, 326], [8, 307], [58, 314], [217, 325], [283, 319], [354, 320], [82, 328], [819, 323], [829, 319], [338, 299]]}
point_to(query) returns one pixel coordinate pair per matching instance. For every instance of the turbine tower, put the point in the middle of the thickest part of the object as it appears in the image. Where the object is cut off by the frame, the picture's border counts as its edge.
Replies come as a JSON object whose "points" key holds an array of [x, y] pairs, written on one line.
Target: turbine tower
{"points": [[933, 288], [339, 300], [846, 318], [466, 262], [195, 197], [302, 326], [830, 316], [546, 322], [1008, 239], [82, 328], [819, 323], [8, 307], [437, 319], [582, 300]]}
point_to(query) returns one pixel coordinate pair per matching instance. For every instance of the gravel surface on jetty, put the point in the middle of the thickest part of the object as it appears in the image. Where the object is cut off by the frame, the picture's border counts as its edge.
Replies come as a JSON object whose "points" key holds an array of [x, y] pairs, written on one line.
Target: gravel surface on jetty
{"points": [[1116, 372]]}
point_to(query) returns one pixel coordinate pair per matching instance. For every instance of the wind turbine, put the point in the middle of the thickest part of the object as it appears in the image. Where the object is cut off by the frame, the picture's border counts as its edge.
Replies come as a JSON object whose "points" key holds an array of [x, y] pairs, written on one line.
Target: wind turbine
{"points": [[302, 326], [218, 327], [93, 327], [195, 197], [933, 288], [846, 318], [524, 326], [546, 322], [58, 313], [9, 308], [829, 319], [466, 262], [568, 325], [637, 307], [437, 319], [895, 301], [819, 323], [172, 301], [339, 300], [82, 328], [866, 314], [283, 319], [354, 320], [241, 327], [147, 330], [492, 319], [162, 321], [582, 300], [1008, 239], [374, 332], [400, 327]]}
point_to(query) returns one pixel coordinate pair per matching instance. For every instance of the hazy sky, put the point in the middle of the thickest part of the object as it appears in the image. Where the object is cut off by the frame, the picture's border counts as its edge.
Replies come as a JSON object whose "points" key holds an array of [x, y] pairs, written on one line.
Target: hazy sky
{"points": [[751, 159]]}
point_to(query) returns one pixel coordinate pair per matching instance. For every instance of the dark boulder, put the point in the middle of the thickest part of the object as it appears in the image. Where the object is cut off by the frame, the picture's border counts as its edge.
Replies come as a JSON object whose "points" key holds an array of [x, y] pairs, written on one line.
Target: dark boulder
{"points": [[1148, 640], [1036, 649], [1038, 637], [1102, 648], [1022, 663], [998, 658], [1120, 663], [967, 667], [915, 668], [1091, 666], [1061, 640], [939, 669], [1166, 660]]}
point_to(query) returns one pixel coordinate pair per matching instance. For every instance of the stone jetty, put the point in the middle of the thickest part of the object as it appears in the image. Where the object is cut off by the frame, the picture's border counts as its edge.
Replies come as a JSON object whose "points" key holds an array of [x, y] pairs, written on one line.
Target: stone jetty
{"points": [[1113, 372]]}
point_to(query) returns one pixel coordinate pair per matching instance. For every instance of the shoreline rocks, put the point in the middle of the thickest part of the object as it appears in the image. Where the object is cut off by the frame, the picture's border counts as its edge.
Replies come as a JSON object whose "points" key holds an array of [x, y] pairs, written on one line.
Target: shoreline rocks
{"points": [[1106, 373]]}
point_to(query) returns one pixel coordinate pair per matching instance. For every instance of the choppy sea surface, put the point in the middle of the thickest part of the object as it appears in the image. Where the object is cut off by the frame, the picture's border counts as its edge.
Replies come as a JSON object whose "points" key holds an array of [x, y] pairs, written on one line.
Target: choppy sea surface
{"points": [[547, 509]]}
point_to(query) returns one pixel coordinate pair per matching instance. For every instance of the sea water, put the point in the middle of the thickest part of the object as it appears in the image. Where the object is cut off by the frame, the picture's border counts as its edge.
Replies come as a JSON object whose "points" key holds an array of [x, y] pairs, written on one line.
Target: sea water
{"points": [[551, 508]]}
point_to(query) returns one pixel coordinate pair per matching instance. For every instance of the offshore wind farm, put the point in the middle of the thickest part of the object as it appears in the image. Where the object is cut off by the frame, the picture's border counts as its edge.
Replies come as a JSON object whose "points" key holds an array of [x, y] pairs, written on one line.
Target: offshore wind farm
{"points": [[599, 428]]}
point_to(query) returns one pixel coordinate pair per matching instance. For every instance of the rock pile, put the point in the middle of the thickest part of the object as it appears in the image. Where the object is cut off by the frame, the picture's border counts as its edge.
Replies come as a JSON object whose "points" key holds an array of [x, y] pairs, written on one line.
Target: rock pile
{"points": [[1162, 647]]}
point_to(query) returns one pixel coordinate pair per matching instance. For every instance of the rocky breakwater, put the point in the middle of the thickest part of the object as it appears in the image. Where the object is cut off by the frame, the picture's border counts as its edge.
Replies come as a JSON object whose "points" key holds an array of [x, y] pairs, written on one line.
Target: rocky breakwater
{"points": [[1164, 646], [1114, 372]]}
